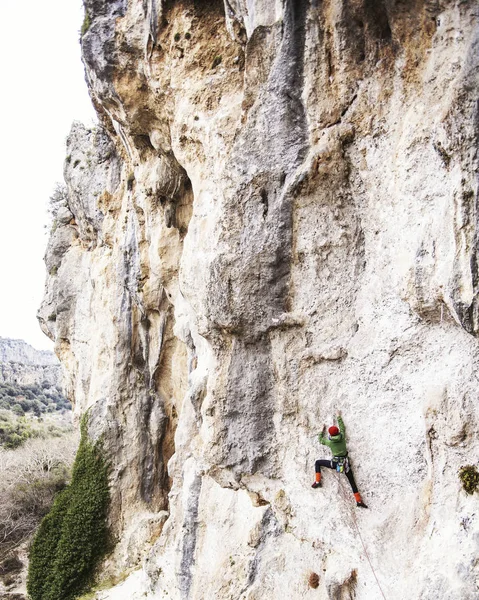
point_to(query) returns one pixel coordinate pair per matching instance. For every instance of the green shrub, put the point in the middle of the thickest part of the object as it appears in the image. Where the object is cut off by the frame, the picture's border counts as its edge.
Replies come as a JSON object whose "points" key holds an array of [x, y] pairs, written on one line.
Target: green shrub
{"points": [[13, 431], [31, 398], [18, 410], [469, 477], [85, 26], [31, 477], [15, 440], [73, 536], [216, 62]]}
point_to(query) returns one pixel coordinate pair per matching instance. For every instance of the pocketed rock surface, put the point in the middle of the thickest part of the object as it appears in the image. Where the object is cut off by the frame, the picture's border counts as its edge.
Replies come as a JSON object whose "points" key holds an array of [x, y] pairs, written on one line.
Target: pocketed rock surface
{"points": [[275, 220]]}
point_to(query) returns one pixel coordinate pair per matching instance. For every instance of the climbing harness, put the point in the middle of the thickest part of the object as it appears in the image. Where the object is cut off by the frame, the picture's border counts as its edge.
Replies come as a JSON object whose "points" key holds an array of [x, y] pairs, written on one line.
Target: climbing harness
{"points": [[342, 464], [344, 494]]}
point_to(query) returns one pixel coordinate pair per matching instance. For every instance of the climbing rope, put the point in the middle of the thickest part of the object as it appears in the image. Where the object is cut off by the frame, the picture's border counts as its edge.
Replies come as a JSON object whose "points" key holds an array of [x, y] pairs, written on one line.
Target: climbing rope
{"points": [[344, 495]]}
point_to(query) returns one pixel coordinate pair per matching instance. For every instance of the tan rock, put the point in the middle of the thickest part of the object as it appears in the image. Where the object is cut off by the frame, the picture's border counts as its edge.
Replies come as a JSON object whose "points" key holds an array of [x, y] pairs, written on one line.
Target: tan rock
{"points": [[285, 226]]}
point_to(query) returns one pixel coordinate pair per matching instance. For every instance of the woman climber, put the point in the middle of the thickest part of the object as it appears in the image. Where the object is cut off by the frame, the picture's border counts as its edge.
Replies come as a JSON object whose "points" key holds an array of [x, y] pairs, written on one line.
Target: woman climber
{"points": [[336, 441]]}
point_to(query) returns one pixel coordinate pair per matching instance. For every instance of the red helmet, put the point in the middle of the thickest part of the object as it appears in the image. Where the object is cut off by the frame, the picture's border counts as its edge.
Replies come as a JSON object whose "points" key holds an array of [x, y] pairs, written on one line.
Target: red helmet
{"points": [[333, 430]]}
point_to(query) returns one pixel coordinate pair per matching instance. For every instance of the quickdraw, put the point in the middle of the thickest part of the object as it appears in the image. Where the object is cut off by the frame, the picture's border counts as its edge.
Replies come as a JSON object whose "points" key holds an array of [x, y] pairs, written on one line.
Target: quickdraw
{"points": [[342, 464]]}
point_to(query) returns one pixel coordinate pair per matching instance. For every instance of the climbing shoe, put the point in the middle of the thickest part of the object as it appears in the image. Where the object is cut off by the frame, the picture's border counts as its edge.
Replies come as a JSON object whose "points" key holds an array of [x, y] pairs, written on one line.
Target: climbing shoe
{"points": [[316, 484], [359, 500]]}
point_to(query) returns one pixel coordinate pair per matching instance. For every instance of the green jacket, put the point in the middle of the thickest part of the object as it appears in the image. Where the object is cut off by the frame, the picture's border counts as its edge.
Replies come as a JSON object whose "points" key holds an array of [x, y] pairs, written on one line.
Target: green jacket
{"points": [[337, 443]]}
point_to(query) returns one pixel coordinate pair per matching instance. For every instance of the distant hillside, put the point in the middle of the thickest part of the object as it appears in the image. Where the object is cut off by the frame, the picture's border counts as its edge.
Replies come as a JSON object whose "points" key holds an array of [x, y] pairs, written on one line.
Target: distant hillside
{"points": [[22, 364], [19, 351], [30, 380]]}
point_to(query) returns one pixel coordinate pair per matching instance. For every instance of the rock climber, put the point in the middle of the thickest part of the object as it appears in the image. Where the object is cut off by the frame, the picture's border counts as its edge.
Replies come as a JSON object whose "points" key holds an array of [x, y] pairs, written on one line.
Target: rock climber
{"points": [[336, 441]]}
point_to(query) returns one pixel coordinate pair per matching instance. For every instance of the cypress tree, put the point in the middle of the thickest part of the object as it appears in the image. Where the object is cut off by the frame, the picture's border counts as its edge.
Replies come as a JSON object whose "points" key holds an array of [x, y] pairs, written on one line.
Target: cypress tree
{"points": [[72, 538]]}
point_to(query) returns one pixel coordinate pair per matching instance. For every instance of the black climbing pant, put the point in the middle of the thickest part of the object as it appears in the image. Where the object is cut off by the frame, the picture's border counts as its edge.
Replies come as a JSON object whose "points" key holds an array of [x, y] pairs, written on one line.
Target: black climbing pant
{"points": [[331, 464]]}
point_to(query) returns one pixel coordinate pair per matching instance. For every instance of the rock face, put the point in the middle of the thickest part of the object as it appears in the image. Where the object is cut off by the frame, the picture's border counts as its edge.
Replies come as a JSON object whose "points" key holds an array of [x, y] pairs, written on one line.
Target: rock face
{"points": [[277, 219], [21, 363]]}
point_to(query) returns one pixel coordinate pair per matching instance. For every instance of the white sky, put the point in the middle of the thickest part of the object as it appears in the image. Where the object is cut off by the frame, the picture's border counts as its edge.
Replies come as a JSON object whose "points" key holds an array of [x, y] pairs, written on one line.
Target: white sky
{"points": [[43, 91]]}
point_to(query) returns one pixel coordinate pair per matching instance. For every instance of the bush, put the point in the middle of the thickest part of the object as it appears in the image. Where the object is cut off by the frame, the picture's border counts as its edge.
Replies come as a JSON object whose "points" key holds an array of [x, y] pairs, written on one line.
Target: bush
{"points": [[73, 536], [216, 62], [30, 477], [13, 431], [84, 28], [12, 564], [469, 477], [28, 397], [18, 410], [58, 199]]}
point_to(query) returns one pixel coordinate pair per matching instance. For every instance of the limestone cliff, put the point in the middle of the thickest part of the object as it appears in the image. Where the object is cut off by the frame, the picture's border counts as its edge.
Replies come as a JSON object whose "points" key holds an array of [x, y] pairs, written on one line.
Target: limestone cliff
{"points": [[21, 363], [277, 219]]}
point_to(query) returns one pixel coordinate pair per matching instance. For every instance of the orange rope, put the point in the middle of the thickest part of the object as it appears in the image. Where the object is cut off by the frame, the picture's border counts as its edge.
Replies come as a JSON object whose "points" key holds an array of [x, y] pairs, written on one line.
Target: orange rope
{"points": [[361, 538]]}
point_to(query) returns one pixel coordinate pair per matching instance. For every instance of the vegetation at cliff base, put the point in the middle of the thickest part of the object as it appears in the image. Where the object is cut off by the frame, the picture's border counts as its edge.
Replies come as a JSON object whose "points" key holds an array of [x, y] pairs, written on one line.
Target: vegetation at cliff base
{"points": [[34, 398], [30, 478], [16, 429], [469, 477], [28, 411], [73, 536]]}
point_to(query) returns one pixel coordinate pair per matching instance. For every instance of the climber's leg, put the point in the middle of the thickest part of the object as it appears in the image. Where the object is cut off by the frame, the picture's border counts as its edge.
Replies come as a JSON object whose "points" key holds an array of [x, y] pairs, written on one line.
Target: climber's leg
{"points": [[354, 487], [317, 465], [352, 483]]}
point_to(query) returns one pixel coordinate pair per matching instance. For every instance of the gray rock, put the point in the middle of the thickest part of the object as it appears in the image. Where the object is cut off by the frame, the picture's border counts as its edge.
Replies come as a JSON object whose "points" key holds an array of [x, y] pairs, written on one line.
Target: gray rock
{"points": [[275, 222]]}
